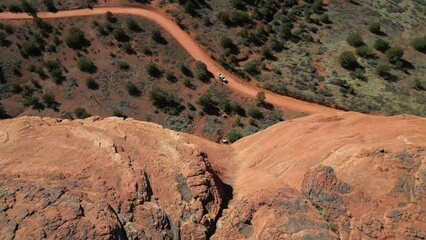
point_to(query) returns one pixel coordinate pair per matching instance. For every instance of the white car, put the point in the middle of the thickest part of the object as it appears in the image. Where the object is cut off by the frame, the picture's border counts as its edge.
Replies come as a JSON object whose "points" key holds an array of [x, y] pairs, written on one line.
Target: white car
{"points": [[222, 78]]}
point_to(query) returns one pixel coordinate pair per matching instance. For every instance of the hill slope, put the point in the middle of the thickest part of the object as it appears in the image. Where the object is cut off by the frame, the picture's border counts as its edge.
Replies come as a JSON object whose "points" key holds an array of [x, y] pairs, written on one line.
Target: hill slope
{"points": [[321, 176]]}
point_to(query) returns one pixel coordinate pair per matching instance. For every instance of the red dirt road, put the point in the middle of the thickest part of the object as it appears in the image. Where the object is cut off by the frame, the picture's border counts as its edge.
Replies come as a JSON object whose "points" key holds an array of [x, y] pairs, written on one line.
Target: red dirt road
{"points": [[197, 52]]}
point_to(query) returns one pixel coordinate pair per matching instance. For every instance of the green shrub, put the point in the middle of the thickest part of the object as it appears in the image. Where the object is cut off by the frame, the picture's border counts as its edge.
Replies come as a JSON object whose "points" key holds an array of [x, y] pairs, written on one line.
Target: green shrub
{"points": [[110, 17], [348, 60], [50, 101], [251, 68], [364, 51], [394, 54], [317, 5], [165, 101], [234, 135], [50, 5], [375, 27], [132, 89], [118, 113], [15, 8], [26, 7], [81, 113], [189, 7], [133, 25], [226, 42], [3, 114], [383, 70], [3, 40], [381, 45], [419, 43], [30, 49], [152, 69], [355, 40], [91, 84], [209, 105], [324, 18], [260, 98], [201, 71], [170, 76], [156, 36], [255, 112], [187, 83], [86, 65], [120, 35], [76, 39]]}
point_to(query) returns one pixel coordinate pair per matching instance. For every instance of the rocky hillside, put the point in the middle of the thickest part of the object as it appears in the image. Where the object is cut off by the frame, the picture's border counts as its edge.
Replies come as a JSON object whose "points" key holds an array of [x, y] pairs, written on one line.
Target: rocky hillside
{"points": [[343, 176]]}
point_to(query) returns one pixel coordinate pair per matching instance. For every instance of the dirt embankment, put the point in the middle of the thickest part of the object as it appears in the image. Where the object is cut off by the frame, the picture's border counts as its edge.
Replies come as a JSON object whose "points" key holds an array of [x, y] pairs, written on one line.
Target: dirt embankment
{"points": [[323, 177]]}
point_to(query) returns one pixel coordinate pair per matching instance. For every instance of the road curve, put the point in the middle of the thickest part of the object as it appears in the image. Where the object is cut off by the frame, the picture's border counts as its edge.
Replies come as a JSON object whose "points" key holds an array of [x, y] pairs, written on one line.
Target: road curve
{"points": [[198, 53]]}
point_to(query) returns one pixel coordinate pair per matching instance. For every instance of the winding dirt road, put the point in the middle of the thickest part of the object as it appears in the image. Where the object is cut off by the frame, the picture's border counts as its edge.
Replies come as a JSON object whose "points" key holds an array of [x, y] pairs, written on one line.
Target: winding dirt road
{"points": [[197, 52]]}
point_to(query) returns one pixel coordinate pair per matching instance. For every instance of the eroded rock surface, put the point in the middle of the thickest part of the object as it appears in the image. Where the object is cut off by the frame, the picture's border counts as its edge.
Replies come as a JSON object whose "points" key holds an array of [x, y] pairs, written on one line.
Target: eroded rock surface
{"points": [[345, 176]]}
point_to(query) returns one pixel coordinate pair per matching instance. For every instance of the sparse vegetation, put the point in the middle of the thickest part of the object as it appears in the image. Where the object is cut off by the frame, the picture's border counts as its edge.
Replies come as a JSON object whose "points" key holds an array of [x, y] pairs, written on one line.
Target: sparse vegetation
{"points": [[234, 135]]}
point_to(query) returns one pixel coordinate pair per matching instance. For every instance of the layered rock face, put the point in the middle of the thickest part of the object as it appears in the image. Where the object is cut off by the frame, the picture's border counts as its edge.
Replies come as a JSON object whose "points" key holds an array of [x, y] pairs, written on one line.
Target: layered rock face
{"points": [[344, 176], [103, 179]]}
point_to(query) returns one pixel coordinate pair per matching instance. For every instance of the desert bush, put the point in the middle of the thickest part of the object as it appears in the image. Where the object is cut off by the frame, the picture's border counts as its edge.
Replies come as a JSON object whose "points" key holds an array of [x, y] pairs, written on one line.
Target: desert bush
{"points": [[317, 5], [209, 105], [116, 112], [348, 60], [133, 25], [26, 7], [3, 40], [324, 18], [364, 51], [226, 42], [383, 70], [375, 27], [189, 7], [355, 40], [255, 112], [201, 71], [381, 45], [127, 48], [50, 101], [30, 49], [186, 71], [234, 135], [91, 84], [120, 35], [15, 8], [86, 65], [110, 17], [156, 36], [165, 101], [394, 54], [266, 52], [187, 83], [50, 5], [32, 101], [419, 43], [132, 89], [76, 39], [3, 114], [170, 76], [251, 68], [81, 113], [260, 98], [152, 69]]}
